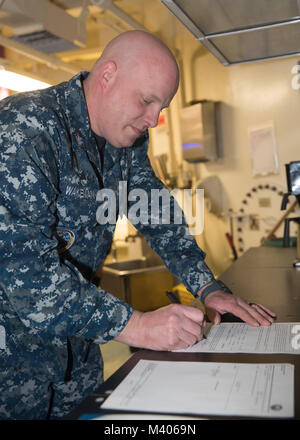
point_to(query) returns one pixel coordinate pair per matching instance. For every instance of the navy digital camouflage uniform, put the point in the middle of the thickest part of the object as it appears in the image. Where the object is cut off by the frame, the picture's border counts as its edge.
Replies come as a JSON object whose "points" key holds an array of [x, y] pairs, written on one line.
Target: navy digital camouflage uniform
{"points": [[53, 315]]}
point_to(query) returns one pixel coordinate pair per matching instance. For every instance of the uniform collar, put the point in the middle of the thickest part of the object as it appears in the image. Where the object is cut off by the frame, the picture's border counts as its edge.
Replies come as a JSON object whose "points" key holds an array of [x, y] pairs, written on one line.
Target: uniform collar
{"points": [[77, 113]]}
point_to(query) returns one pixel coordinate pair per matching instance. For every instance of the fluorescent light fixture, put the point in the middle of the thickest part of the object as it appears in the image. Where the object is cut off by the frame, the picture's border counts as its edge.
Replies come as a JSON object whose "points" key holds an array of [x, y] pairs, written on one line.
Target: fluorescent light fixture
{"points": [[19, 83], [192, 145]]}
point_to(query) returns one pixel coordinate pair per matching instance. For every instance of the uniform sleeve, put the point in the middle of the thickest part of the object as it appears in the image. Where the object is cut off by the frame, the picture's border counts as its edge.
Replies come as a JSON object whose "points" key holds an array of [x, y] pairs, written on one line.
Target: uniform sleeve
{"points": [[172, 242], [51, 298]]}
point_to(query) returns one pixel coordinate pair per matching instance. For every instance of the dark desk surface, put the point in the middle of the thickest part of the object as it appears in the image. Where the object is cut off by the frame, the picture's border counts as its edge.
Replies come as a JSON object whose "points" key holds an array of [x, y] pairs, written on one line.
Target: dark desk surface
{"points": [[272, 257], [266, 275], [263, 275]]}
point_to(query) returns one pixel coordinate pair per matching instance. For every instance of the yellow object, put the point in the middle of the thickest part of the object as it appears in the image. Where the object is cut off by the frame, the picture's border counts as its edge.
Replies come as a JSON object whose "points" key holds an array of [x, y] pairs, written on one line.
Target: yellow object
{"points": [[187, 298], [148, 290], [183, 294]]}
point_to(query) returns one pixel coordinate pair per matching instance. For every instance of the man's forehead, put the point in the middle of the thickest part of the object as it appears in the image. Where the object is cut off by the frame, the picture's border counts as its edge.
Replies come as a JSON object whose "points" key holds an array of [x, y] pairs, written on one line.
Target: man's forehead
{"points": [[155, 81], [160, 84]]}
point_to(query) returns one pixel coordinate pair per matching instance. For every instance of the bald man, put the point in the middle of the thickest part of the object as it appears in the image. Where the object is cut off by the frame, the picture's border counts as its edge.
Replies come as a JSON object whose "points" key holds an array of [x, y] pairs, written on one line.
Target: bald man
{"points": [[59, 148]]}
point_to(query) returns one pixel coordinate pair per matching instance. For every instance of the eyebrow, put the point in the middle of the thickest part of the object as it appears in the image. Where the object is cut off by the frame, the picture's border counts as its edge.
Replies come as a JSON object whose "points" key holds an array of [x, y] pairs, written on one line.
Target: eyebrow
{"points": [[151, 96], [155, 98]]}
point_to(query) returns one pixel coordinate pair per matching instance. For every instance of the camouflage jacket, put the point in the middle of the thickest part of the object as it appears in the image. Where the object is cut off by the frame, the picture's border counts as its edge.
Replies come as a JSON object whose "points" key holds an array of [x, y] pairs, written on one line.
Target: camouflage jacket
{"points": [[51, 244]]}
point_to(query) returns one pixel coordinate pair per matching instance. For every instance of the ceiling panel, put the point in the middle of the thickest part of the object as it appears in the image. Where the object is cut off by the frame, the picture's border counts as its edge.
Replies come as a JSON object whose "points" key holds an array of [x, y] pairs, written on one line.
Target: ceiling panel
{"points": [[238, 31]]}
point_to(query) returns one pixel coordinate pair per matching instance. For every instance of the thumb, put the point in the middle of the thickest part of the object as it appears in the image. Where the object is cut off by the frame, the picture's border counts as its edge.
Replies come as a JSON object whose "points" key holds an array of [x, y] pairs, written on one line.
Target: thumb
{"points": [[213, 316]]}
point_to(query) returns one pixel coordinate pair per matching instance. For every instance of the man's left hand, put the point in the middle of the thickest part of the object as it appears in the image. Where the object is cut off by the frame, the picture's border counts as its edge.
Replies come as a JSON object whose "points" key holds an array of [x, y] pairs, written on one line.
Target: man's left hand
{"points": [[217, 303]]}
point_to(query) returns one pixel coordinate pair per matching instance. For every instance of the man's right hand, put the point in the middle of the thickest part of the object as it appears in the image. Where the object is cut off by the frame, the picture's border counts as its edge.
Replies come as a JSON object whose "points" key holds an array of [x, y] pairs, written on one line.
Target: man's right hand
{"points": [[171, 327]]}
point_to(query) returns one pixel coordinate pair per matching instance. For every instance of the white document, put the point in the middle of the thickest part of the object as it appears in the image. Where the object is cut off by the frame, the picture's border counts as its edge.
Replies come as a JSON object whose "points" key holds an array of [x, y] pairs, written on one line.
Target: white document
{"points": [[242, 338], [140, 416], [263, 149], [207, 388]]}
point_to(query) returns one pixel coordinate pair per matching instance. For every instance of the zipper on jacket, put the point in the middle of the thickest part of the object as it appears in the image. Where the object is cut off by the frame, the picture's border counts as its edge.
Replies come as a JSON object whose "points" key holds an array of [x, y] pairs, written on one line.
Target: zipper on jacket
{"points": [[51, 389], [68, 376], [89, 341]]}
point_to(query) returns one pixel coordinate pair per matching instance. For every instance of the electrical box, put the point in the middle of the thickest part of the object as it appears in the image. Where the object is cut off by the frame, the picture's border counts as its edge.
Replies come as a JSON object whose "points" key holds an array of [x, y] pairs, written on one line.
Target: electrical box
{"points": [[293, 177], [199, 132]]}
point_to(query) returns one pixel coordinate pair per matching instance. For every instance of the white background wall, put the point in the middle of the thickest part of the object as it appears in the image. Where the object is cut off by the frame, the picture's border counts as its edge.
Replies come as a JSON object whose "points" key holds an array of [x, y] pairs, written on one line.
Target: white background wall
{"points": [[250, 95]]}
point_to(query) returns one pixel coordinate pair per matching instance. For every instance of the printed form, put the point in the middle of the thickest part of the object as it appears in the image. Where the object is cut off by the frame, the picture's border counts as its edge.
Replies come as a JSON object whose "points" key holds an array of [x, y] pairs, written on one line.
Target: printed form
{"points": [[242, 338], [207, 388]]}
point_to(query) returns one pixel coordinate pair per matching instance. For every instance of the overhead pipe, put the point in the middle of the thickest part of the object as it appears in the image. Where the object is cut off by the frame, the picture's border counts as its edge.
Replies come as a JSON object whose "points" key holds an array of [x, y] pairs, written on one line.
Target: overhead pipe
{"points": [[50, 60], [108, 5], [53, 61], [50, 17]]}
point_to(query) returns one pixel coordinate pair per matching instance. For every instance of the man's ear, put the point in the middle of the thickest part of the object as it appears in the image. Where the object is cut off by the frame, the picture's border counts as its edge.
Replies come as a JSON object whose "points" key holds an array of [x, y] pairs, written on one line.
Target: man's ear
{"points": [[107, 74]]}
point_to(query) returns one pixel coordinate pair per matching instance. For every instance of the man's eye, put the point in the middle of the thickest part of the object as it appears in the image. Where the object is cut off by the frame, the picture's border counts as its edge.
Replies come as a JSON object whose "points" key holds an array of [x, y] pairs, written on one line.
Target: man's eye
{"points": [[146, 101]]}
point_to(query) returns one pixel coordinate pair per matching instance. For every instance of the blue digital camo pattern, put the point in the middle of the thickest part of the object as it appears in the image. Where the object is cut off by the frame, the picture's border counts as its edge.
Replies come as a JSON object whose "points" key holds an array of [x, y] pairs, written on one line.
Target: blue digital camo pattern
{"points": [[51, 245]]}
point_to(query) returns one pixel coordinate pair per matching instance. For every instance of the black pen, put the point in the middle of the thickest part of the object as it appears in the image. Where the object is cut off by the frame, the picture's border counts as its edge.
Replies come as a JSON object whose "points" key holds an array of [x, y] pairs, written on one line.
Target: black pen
{"points": [[172, 297]]}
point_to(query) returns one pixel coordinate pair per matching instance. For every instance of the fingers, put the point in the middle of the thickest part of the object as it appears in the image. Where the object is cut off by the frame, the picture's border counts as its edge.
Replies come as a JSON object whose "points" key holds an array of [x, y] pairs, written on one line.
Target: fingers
{"points": [[178, 326], [191, 325], [194, 314], [253, 314], [213, 316], [264, 313], [186, 339], [268, 311], [171, 327]]}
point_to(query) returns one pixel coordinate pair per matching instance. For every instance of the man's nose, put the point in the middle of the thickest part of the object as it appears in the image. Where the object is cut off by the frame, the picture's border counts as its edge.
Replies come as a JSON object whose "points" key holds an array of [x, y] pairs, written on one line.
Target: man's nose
{"points": [[152, 118]]}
